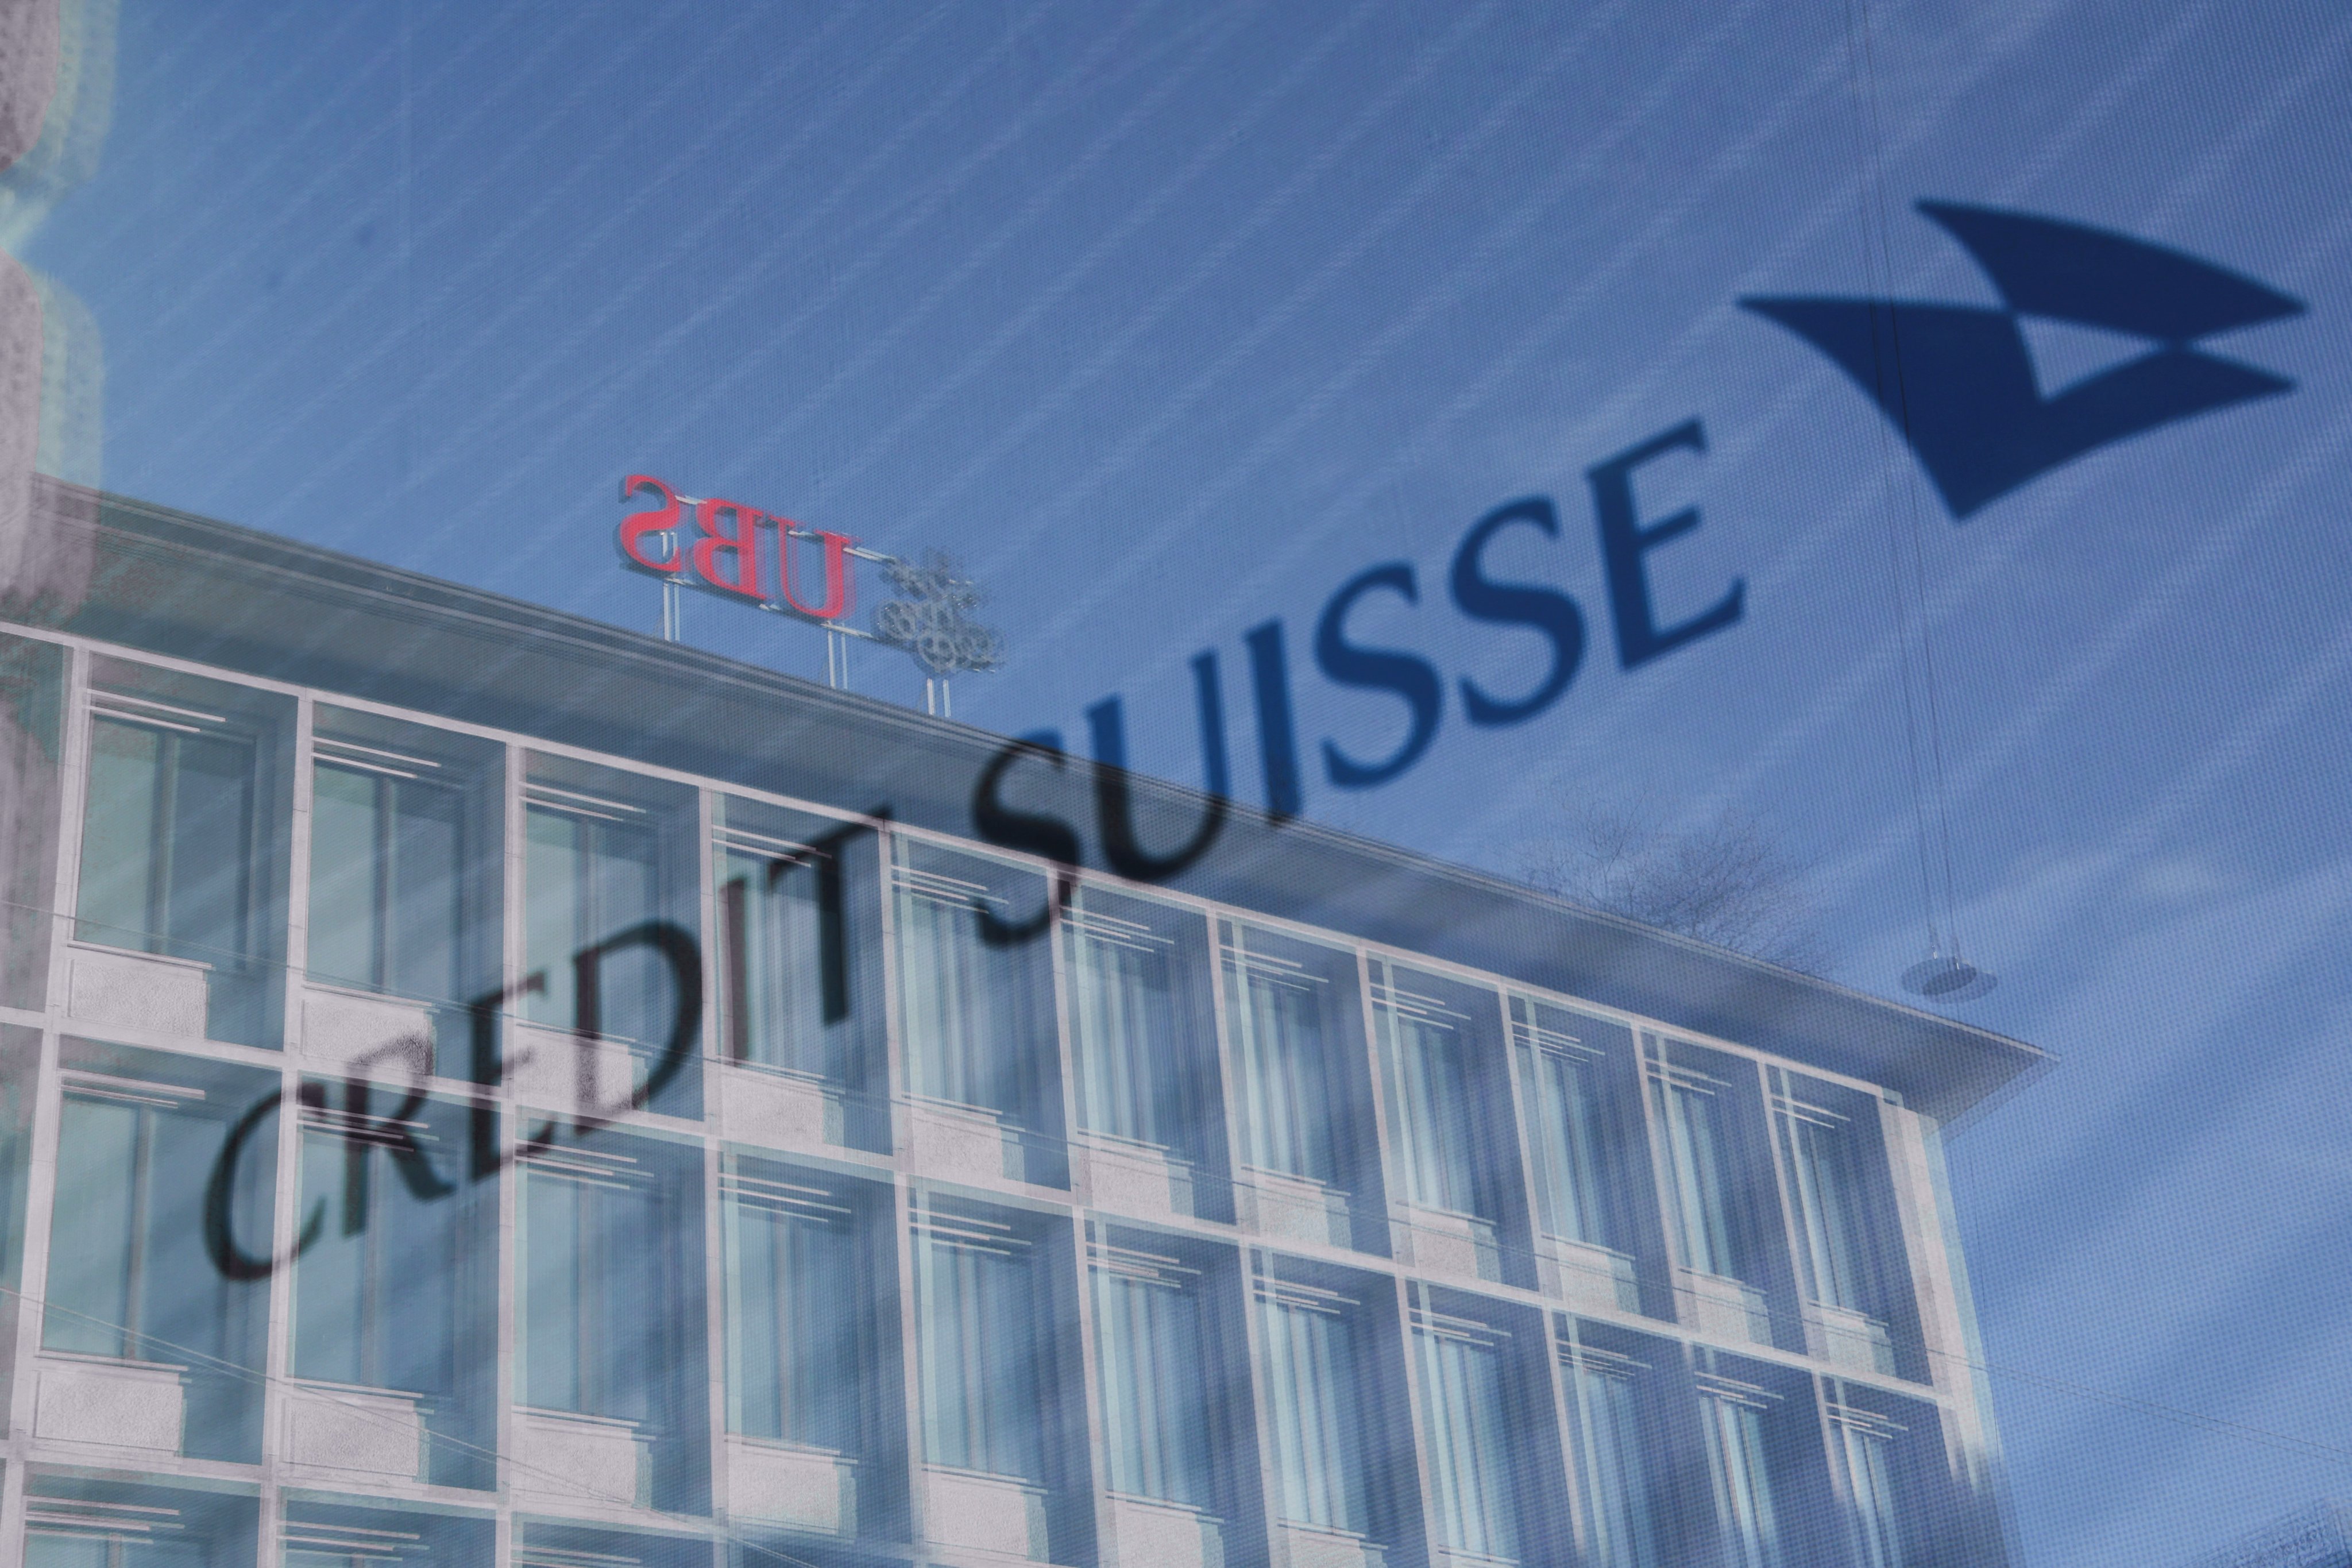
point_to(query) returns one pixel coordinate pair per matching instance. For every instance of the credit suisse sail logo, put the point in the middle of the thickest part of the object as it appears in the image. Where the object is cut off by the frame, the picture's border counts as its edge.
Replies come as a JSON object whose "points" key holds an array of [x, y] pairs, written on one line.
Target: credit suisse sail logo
{"points": [[1959, 383]]}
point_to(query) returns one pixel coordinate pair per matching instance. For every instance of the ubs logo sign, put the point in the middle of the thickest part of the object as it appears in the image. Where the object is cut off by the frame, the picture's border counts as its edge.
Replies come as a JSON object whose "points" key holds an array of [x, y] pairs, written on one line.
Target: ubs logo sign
{"points": [[727, 554], [1959, 383]]}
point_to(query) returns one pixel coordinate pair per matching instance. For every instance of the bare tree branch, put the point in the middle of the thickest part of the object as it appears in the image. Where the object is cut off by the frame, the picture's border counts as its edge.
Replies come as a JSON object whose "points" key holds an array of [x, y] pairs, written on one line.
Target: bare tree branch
{"points": [[1728, 882]]}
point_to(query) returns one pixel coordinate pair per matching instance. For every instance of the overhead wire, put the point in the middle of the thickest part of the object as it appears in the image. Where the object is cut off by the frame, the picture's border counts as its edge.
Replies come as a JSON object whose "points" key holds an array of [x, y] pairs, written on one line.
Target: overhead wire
{"points": [[1906, 549]]}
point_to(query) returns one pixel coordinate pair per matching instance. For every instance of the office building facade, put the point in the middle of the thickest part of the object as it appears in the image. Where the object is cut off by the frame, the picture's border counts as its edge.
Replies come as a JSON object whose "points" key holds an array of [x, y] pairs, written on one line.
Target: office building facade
{"points": [[483, 1087]]}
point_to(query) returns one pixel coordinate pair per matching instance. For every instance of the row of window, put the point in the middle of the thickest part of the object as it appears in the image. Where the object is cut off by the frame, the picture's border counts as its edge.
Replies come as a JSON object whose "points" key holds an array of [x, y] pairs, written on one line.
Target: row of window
{"points": [[1260, 1391], [1662, 1178]]}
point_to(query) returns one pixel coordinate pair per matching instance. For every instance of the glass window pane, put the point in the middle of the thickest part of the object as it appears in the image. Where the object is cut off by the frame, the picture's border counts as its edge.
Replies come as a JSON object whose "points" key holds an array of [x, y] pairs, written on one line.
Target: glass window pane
{"points": [[593, 1323], [1739, 1467], [1150, 1356], [978, 1016], [423, 911], [167, 861], [95, 1250], [770, 924], [346, 872], [377, 1292], [1613, 1462], [979, 1352], [798, 1359], [1866, 1456], [333, 1279], [1467, 1442], [1311, 1379], [209, 900], [1123, 1013], [557, 1317], [1433, 1126], [590, 879], [554, 894], [122, 868], [1691, 1112], [1279, 1016]]}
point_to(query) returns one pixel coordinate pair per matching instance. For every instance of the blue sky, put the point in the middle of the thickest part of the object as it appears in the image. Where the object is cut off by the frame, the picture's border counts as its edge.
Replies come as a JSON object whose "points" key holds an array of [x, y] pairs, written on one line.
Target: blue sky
{"points": [[1171, 318]]}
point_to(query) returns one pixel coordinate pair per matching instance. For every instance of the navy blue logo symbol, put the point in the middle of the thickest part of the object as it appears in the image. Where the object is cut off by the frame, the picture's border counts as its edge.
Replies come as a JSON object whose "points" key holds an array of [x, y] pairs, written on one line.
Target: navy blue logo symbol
{"points": [[1959, 382]]}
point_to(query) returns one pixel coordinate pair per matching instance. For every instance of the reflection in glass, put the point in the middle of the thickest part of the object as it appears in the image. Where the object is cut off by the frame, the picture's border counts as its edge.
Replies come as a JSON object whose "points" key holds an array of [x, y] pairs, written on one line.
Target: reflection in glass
{"points": [[166, 854], [1466, 1436], [967, 1004], [1565, 1101], [1731, 1419], [1817, 1148], [1864, 1448], [593, 1256], [1428, 1053], [795, 1352], [980, 1299], [771, 927], [1150, 1361], [1691, 1112], [1312, 1382], [386, 859], [1278, 1016], [1123, 1021], [592, 873], [127, 1274], [1613, 1463]]}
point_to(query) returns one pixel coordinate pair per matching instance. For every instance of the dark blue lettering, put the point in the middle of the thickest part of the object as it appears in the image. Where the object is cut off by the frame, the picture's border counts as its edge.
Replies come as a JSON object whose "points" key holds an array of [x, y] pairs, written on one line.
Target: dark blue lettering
{"points": [[1380, 669], [1277, 736], [1115, 804], [1032, 831], [1553, 613], [1625, 540]]}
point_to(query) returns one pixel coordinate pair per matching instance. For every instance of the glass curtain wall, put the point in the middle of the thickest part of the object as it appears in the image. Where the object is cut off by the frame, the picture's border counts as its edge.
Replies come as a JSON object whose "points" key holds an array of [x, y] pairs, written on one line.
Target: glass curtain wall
{"points": [[592, 871], [167, 863], [1128, 1012], [1703, 1186], [1316, 1385], [982, 1312], [777, 1001], [1467, 1439], [129, 1277], [1433, 1119], [1154, 1363], [1283, 1024], [1618, 1476], [1865, 1448], [394, 1291], [1732, 1420], [388, 853], [594, 1317], [1567, 1129], [977, 1014], [797, 1352]]}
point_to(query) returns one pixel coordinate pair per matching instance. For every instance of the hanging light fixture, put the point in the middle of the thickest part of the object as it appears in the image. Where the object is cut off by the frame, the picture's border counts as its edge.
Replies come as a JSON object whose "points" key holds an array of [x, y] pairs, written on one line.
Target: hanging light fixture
{"points": [[1948, 977]]}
